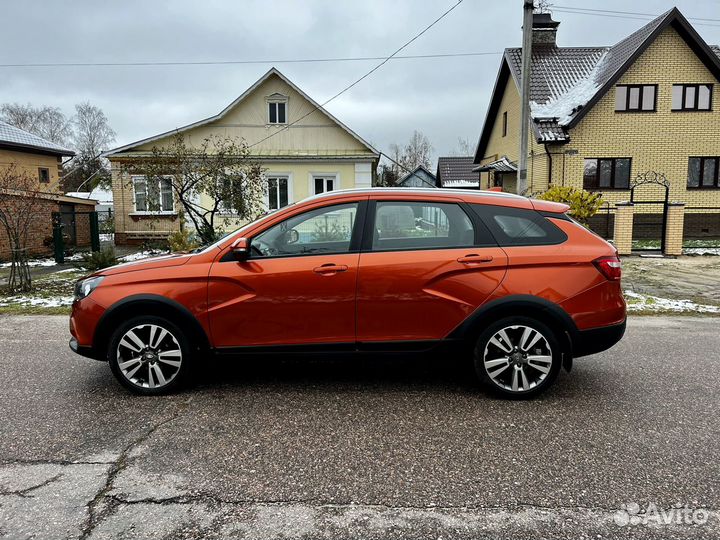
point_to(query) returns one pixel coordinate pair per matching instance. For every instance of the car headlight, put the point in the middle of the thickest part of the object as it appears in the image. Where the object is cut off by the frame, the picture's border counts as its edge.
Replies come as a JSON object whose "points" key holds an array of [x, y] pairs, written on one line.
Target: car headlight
{"points": [[85, 286]]}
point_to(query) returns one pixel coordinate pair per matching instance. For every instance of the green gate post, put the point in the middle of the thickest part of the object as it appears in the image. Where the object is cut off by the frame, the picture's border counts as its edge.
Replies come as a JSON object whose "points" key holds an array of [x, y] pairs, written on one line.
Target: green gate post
{"points": [[94, 232], [58, 243]]}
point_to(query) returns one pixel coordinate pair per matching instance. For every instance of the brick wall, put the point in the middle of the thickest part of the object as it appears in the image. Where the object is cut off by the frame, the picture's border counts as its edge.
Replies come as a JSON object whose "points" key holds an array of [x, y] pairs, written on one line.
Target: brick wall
{"points": [[29, 163], [132, 227]]}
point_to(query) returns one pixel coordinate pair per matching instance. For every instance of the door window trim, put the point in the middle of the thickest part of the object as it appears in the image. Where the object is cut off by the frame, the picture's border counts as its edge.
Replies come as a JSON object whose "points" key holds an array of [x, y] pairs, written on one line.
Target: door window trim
{"points": [[368, 229], [355, 236]]}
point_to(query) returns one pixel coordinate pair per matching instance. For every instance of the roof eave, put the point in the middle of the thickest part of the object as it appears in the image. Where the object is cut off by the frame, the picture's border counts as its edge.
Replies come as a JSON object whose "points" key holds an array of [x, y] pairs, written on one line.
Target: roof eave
{"points": [[495, 100]]}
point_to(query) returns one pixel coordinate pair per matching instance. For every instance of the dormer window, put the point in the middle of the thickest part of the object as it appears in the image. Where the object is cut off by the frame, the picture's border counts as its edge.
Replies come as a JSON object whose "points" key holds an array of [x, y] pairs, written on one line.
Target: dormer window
{"points": [[277, 109]]}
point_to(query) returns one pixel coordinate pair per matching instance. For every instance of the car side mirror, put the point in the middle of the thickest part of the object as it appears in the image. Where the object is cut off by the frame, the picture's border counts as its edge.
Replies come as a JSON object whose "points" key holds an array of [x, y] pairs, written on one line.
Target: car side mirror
{"points": [[241, 249]]}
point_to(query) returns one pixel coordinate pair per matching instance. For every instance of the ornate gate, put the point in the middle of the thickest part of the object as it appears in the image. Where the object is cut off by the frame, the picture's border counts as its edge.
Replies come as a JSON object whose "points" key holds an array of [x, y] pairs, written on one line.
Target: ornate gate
{"points": [[650, 192]]}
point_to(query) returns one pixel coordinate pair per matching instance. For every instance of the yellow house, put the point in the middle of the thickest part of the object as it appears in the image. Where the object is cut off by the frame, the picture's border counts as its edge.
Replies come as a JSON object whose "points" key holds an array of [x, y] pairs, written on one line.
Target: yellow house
{"points": [[602, 116], [303, 149]]}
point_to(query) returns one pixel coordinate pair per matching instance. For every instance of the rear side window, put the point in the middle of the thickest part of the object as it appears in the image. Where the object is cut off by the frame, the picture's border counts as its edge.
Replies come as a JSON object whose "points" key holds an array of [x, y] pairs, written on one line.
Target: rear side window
{"points": [[420, 225], [518, 226]]}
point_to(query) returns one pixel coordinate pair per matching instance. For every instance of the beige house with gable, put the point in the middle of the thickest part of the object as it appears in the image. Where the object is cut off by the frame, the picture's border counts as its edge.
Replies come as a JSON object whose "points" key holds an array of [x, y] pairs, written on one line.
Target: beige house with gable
{"points": [[303, 148]]}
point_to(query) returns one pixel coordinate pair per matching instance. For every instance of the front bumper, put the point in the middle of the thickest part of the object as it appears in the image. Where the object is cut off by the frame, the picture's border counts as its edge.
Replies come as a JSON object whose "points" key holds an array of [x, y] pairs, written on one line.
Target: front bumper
{"points": [[596, 340]]}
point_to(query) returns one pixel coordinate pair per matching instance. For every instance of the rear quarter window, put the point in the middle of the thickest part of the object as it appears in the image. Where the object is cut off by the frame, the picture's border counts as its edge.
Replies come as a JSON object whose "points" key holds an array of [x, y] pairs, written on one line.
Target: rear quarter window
{"points": [[519, 226]]}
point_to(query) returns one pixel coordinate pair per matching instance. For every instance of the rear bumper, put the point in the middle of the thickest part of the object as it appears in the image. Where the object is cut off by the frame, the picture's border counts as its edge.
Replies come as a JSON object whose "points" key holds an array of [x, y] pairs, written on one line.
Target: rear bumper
{"points": [[596, 340], [83, 350]]}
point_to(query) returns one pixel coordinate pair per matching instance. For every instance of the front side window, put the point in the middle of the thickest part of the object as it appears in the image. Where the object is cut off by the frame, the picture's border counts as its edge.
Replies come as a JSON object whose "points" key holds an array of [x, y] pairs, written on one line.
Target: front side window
{"points": [[606, 173], [323, 230], [322, 184], [518, 226], [277, 192], [635, 97], [277, 113], [153, 195], [703, 172], [692, 97], [421, 225]]}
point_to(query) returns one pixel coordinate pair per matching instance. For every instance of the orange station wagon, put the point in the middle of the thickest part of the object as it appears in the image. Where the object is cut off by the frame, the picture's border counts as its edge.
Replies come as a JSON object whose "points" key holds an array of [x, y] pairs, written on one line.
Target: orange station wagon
{"points": [[513, 283]]}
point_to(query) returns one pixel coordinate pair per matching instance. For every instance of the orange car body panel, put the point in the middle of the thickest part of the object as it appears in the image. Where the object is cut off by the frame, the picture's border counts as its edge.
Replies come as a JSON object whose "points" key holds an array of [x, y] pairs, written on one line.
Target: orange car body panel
{"points": [[377, 296]]}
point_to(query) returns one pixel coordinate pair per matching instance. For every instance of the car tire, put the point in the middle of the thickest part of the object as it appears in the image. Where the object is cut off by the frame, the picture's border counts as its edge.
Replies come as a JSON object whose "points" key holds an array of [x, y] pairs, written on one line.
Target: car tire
{"points": [[517, 357], [150, 355]]}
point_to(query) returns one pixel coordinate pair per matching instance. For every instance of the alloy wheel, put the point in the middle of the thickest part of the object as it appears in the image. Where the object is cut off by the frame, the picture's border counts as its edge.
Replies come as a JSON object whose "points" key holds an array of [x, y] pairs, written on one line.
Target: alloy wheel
{"points": [[517, 358], [149, 356]]}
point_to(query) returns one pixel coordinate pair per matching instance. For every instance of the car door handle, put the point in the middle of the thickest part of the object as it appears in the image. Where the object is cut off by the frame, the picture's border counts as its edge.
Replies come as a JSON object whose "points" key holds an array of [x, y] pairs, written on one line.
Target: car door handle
{"points": [[474, 258], [330, 269]]}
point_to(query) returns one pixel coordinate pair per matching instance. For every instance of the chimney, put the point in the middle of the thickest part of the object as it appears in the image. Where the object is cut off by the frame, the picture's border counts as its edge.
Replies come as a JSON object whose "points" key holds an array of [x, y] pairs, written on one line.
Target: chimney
{"points": [[544, 29]]}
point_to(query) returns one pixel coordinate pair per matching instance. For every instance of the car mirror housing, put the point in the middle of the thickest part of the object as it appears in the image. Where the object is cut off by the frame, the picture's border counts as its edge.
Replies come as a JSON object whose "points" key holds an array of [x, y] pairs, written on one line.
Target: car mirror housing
{"points": [[241, 249]]}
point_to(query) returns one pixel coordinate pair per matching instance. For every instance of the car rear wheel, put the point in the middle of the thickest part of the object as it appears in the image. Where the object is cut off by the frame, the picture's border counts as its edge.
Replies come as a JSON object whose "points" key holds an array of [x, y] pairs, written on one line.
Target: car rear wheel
{"points": [[149, 355], [517, 357]]}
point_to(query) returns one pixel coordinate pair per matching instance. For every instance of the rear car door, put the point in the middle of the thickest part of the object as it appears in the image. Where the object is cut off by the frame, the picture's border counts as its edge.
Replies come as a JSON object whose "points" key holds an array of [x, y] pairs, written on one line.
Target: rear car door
{"points": [[298, 285], [425, 266]]}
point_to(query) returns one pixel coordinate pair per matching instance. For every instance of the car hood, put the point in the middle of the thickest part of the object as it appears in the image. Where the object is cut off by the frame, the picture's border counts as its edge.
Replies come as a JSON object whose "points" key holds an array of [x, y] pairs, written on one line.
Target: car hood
{"points": [[163, 261]]}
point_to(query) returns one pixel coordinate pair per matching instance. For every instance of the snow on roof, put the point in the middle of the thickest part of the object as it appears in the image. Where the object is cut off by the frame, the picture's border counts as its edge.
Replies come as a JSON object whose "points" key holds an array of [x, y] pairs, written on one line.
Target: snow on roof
{"points": [[102, 196], [13, 136], [565, 105]]}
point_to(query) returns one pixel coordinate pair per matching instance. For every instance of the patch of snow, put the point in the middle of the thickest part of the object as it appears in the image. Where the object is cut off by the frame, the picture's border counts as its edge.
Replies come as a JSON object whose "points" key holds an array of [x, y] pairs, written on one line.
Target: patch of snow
{"points": [[701, 251], [644, 302], [34, 263], [564, 106], [57, 301], [107, 237]]}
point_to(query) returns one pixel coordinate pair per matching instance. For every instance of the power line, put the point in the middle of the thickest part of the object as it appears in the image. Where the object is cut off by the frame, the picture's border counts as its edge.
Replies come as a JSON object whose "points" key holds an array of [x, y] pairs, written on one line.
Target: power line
{"points": [[617, 15], [627, 13], [365, 76], [239, 62]]}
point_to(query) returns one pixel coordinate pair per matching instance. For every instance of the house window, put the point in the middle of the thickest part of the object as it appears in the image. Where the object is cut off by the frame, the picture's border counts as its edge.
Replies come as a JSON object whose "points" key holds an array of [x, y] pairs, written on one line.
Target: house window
{"points": [[277, 109], [606, 173], [277, 192], [323, 184], [703, 172], [153, 195], [504, 124], [230, 194], [692, 97], [635, 97], [44, 175]]}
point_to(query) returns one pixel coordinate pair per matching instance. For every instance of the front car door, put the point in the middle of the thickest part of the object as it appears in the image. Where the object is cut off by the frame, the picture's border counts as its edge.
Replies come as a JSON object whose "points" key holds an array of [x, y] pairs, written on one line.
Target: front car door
{"points": [[297, 286], [426, 265]]}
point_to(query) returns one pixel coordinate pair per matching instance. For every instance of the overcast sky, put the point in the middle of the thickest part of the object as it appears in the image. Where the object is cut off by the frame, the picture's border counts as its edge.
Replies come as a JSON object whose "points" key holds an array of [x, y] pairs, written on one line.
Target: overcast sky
{"points": [[445, 98]]}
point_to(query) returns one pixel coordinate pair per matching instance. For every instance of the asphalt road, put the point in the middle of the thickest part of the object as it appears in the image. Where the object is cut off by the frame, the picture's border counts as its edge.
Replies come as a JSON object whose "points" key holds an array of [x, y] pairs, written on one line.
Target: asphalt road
{"points": [[373, 448]]}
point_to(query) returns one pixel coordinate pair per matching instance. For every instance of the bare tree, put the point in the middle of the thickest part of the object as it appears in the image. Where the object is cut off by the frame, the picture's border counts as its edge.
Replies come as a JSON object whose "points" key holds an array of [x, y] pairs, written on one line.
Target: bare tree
{"points": [[47, 122], [418, 151], [19, 209], [92, 135], [463, 148], [220, 169]]}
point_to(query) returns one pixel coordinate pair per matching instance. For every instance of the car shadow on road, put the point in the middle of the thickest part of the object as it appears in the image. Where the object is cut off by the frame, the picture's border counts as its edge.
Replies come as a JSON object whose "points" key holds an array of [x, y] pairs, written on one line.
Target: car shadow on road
{"points": [[430, 372]]}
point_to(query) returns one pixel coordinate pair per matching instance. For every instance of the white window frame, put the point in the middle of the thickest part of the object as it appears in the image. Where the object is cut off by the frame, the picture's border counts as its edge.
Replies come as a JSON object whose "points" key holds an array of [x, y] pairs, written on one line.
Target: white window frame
{"points": [[334, 176], [273, 101], [136, 178], [282, 175]]}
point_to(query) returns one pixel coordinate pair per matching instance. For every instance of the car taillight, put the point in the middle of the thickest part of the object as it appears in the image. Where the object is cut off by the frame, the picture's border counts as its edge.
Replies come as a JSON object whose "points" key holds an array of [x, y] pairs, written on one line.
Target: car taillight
{"points": [[610, 267]]}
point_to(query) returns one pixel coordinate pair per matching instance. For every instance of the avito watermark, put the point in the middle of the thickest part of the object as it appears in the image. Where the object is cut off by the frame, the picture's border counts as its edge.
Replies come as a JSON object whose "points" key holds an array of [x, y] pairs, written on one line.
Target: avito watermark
{"points": [[631, 514]]}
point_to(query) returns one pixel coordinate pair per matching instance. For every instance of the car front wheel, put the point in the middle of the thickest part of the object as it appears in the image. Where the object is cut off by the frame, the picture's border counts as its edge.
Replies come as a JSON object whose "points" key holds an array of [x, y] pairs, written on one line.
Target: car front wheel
{"points": [[149, 355], [517, 357]]}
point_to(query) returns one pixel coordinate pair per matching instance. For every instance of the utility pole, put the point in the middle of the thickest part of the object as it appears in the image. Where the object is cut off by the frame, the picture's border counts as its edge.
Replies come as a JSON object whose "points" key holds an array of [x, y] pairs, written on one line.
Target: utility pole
{"points": [[522, 183]]}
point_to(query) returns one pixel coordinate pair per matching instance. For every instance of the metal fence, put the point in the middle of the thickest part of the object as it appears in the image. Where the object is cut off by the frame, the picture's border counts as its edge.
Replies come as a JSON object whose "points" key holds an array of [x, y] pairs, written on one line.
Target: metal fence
{"points": [[74, 230]]}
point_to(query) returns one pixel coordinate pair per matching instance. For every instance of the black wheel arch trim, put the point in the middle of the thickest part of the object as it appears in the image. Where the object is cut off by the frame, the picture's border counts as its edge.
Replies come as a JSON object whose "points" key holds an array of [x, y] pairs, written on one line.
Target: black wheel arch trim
{"points": [[185, 318]]}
